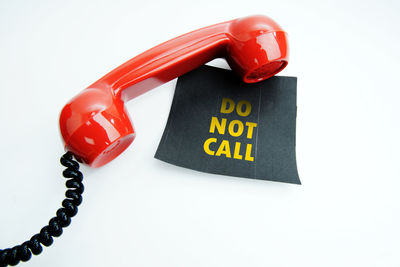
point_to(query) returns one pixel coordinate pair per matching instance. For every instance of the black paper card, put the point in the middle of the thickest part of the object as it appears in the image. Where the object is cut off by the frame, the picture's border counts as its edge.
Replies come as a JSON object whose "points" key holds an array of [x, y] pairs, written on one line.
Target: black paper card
{"points": [[218, 124]]}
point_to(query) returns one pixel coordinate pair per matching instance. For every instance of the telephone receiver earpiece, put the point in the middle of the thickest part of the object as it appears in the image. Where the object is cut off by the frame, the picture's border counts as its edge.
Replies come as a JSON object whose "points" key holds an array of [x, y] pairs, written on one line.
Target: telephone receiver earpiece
{"points": [[95, 125]]}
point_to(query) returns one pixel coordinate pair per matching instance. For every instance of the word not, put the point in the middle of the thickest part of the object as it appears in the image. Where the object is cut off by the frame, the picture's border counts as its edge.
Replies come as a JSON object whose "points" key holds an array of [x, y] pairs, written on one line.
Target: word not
{"points": [[236, 128]]}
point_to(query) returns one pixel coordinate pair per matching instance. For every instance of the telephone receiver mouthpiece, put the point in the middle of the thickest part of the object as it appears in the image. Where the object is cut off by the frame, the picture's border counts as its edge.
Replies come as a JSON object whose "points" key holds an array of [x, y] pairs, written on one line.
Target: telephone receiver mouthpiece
{"points": [[95, 125]]}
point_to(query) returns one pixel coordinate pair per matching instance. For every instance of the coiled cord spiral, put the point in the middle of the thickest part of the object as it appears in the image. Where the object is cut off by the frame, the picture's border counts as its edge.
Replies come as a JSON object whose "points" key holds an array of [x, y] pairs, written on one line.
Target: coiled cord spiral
{"points": [[23, 252]]}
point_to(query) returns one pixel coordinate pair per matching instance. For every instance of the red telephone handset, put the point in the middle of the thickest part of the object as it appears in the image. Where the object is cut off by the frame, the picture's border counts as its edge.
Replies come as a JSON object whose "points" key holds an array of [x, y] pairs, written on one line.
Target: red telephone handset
{"points": [[95, 125]]}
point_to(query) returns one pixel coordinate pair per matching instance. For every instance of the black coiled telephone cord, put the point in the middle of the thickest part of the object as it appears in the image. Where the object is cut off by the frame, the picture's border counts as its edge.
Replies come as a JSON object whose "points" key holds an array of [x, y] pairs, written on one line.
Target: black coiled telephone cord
{"points": [[23, 252]]}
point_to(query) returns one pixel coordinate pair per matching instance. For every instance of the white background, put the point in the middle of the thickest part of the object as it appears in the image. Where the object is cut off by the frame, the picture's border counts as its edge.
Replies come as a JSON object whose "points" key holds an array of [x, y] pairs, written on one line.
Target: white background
{"points": [[139, 211]]}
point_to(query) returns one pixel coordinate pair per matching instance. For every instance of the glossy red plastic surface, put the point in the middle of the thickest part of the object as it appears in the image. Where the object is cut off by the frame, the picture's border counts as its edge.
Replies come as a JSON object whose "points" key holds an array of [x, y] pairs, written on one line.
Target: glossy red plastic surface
{"points": [[95, 125]]}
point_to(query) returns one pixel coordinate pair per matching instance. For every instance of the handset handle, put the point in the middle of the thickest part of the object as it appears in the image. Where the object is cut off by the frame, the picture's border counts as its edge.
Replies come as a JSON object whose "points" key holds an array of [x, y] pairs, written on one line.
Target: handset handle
{"points": [[166, 61]]}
